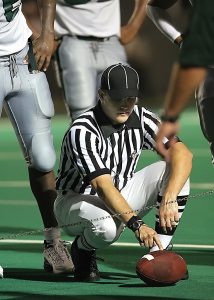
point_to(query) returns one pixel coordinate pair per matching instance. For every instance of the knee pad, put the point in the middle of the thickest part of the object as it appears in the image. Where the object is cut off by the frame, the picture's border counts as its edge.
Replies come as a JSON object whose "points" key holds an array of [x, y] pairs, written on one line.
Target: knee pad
{"points": [[42, 153], [39, 85]]}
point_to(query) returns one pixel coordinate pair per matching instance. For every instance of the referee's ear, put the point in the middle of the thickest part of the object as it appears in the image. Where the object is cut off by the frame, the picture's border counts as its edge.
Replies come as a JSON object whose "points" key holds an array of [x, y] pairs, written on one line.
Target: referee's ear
{"points": [[101, 94]]}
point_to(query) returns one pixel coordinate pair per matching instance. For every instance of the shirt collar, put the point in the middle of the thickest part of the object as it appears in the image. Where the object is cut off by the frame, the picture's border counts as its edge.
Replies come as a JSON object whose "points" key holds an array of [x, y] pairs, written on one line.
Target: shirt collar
{"points": [[106, 125]]}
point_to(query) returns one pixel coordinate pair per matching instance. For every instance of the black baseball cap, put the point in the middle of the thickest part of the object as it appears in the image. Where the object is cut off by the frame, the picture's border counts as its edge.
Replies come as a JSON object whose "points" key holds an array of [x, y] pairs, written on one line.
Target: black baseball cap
{"points": [[120, 81]]}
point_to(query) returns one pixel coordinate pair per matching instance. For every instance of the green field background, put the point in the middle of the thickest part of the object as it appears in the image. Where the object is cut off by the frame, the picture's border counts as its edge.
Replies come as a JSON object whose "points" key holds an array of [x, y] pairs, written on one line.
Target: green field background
{"points": [[20, 220]]}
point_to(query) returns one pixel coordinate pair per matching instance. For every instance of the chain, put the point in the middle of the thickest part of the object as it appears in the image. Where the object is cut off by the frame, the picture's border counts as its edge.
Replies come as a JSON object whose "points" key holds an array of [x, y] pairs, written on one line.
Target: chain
{"points": [[33, 232]]}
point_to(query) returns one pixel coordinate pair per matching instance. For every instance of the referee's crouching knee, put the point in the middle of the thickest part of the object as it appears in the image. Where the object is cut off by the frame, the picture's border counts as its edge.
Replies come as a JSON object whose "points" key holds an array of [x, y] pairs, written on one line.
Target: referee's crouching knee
{"points": [[102, 233]]}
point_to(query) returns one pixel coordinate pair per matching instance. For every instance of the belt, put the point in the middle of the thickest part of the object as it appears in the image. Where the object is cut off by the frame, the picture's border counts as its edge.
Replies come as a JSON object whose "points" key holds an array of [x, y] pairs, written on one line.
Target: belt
{"points": [[92, 38]]}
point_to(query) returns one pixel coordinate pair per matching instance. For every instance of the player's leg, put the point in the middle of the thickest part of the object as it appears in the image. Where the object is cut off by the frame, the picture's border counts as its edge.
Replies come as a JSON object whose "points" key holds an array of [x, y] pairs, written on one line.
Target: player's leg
{"points": [[144, 193], [205, 105], [77, 63], [110, 52], [30, 108]]}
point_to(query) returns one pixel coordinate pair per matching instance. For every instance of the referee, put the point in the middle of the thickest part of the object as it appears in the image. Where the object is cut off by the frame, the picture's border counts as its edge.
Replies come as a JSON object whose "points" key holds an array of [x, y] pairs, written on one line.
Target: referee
{"points": [[98, 189]]}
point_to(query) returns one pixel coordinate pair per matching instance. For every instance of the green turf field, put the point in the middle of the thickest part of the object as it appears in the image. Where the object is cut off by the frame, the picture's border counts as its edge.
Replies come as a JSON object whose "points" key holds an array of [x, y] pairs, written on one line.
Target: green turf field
{"points": [[21, 233]]}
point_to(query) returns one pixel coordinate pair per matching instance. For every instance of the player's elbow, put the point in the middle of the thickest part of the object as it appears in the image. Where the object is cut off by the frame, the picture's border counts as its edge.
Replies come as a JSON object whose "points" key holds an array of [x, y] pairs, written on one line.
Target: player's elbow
{"points": [[101, 184]]}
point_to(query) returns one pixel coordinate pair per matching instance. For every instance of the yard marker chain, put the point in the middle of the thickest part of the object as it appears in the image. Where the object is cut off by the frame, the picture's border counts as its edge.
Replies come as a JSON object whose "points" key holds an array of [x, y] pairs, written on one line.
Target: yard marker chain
{"points": [[32, 232]]}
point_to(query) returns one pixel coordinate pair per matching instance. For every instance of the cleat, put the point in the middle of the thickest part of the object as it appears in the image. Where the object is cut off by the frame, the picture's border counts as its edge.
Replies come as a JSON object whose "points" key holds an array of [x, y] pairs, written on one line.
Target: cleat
{"points": [[85, 265], [169, 247], [57, 259]]}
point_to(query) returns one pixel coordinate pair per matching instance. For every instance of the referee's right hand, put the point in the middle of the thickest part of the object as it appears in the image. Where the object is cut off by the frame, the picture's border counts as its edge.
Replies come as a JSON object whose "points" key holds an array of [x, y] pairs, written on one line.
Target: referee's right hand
{"points": [[148, 237]]}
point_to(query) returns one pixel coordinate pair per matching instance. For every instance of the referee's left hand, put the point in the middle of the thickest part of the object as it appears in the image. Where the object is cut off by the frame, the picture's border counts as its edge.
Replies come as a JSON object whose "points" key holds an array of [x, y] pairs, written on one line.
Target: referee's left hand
{"points": [[168, 214]]}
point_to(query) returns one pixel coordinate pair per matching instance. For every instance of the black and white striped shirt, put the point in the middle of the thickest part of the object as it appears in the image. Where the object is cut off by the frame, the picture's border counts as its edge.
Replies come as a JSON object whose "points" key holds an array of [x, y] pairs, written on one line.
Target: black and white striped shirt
{"points": [[93, 147]]}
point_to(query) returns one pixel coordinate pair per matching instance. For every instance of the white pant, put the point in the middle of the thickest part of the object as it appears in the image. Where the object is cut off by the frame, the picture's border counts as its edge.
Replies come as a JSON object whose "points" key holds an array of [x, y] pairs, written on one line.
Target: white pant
{"points": [[87, 215], [27, 100], [82, 63]]}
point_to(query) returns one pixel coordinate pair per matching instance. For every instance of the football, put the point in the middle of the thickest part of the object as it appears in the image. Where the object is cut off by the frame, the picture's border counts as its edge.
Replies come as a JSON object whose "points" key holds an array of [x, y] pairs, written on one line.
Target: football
{"points": [[161, 268]]}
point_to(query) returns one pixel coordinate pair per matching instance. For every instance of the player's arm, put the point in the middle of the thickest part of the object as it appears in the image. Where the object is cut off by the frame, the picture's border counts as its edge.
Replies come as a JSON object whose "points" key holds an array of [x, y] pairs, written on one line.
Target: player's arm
{"points": [[157, 11], [44, 43], [180, 168], [130, 30], [182, 83], [118, 205]]}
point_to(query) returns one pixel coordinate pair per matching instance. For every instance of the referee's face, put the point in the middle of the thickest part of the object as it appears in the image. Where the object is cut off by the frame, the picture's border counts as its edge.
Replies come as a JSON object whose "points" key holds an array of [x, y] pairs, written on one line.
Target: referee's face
{"points": [[117, 110]]}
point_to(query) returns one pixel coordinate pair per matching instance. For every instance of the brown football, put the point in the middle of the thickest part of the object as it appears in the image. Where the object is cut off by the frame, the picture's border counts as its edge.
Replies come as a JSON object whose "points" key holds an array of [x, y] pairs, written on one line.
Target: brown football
{"points": [[161, 268]]}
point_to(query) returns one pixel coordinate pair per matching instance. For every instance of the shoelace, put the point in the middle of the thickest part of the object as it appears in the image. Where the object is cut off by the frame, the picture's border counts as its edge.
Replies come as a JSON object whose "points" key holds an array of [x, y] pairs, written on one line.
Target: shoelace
{"points": [[57, 252], [62, 247], [93, 263]]}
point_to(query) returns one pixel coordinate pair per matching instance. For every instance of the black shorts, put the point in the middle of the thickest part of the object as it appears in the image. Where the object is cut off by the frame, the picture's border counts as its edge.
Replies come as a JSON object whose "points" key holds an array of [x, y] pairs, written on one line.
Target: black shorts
{"points": [[198, 45]]}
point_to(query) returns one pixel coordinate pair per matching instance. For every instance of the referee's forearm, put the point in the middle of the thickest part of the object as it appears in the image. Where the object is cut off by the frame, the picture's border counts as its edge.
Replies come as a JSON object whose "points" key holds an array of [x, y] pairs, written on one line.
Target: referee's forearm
{"points": [[112, 198], [117, 204]]}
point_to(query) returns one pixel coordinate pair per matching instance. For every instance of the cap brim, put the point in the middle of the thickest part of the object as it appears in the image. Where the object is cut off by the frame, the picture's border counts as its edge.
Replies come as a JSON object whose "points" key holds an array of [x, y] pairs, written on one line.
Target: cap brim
{"points": [[125, 93]]}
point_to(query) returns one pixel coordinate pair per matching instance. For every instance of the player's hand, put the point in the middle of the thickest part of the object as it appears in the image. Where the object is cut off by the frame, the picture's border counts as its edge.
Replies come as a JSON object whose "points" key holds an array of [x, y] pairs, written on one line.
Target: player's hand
{"points": [[169, 130], [179, 40], [55, 46], [127, 34], [148, 237], [43, 48], [168, 213]]}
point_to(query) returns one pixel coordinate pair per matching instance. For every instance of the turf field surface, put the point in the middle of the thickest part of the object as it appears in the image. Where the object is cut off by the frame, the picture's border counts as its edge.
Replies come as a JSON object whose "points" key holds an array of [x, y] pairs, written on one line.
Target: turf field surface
{"points": [[21, 231]]}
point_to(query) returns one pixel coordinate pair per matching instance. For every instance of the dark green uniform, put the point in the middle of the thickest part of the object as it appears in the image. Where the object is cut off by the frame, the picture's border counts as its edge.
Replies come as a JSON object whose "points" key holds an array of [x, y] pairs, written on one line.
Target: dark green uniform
{"points": [[198, 45]]}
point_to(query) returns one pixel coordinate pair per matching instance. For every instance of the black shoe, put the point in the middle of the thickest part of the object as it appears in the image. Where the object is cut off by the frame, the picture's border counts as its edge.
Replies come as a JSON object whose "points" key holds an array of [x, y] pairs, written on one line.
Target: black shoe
{"points": [[186, 275], [85, 265], [169, 247]]}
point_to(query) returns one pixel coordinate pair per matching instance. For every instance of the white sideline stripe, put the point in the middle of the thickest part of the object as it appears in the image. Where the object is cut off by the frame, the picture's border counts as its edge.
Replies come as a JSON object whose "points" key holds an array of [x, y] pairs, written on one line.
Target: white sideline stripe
{"points": [[202, 186], [20, 184], [10, 155], [14, 184], [18, 202], [120, 244]]}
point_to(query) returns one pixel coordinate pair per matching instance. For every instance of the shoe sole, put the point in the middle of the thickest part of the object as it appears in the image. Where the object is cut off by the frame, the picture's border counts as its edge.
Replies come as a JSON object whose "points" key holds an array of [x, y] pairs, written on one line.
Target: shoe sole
{"points": [[78, 279], [49, 269]]}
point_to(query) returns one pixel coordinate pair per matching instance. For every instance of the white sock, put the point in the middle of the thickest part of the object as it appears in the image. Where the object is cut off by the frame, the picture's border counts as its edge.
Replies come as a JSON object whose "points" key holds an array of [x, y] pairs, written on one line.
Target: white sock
{"points": [[165, 240], [52, 233]]}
